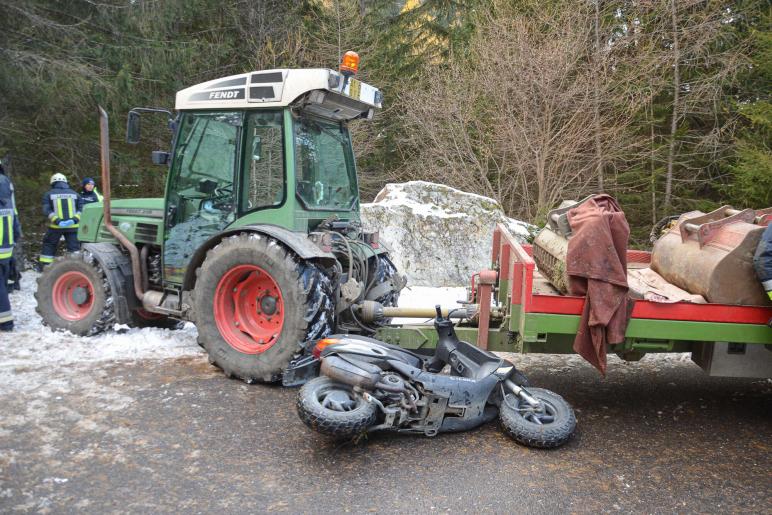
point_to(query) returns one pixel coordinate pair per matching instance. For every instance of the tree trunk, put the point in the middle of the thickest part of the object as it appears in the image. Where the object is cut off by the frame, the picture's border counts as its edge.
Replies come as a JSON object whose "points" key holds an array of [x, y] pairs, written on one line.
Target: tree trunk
{"points": [[675, 116], [596, 100], [652, 161]]}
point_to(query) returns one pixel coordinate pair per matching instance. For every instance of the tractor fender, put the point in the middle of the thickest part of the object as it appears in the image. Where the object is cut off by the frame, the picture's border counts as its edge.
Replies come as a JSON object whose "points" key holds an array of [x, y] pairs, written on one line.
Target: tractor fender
{"points": [[117, 269], [298, 242]]}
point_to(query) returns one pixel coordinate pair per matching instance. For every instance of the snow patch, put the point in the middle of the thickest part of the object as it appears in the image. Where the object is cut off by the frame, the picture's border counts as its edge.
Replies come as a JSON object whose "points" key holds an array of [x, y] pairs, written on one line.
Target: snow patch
{"points": [[33, 346]]}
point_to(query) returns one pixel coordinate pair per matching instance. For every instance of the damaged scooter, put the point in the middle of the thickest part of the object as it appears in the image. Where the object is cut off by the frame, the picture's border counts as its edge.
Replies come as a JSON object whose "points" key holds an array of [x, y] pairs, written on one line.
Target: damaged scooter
{"points": [[366, 385]]}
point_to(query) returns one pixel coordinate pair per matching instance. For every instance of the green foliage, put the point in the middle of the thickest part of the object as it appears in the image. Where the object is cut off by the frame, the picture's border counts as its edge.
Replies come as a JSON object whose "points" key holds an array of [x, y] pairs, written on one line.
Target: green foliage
{"points": [[751, 168]]}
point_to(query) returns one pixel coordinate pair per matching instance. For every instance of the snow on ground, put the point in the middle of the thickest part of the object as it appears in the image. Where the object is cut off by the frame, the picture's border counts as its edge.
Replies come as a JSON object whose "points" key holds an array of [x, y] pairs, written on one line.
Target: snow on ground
{"points": [[33, 351], [42, 346], [32, 348]]}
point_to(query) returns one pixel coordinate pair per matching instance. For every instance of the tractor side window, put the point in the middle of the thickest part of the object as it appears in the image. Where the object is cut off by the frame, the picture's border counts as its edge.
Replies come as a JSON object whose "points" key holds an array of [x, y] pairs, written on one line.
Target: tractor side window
{"points": [[324, 164], [205, 156], [201, 201], [263, 179]]}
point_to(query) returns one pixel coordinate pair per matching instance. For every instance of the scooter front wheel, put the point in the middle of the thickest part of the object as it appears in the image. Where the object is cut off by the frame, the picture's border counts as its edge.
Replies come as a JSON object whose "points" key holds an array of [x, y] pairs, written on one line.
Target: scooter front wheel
{"points": [[334, 409], [547, 428]]}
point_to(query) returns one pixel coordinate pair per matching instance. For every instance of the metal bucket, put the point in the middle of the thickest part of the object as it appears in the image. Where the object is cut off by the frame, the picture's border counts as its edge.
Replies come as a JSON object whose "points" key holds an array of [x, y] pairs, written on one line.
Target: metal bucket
{"points": [[712, 255]]}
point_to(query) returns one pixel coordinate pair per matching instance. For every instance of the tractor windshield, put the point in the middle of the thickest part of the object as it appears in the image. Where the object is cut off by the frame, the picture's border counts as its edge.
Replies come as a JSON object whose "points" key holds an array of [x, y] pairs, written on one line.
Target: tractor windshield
{"points": [[324, 164]]}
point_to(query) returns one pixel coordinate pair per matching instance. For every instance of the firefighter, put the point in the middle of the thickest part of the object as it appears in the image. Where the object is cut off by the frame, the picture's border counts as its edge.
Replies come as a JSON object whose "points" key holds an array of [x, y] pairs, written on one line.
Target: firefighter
{"points": [[62, 206], [88, 192], [14, 276], [10, 230]]}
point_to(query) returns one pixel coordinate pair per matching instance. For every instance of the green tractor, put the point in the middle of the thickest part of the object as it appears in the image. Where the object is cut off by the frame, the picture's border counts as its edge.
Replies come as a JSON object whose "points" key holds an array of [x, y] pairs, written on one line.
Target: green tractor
{"points": [[258, 239]]}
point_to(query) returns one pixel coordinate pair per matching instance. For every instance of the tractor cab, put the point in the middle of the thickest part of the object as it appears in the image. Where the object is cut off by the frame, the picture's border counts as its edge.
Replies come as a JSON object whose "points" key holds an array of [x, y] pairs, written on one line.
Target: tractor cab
{"points": [[267, 147]]}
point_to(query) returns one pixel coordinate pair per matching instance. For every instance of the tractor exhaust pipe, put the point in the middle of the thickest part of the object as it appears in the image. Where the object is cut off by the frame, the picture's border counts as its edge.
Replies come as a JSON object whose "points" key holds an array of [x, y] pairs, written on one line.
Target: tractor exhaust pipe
{"points": [[104, 143]]}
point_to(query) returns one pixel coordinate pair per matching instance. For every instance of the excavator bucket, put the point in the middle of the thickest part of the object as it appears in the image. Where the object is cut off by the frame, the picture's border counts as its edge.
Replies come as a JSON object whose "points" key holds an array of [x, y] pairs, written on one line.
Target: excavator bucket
{"points": [[712, 255]]}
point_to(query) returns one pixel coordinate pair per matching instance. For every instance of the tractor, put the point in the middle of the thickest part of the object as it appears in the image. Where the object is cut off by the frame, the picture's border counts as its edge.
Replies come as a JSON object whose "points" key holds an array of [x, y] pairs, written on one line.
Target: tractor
{"points": [[257, 240]]}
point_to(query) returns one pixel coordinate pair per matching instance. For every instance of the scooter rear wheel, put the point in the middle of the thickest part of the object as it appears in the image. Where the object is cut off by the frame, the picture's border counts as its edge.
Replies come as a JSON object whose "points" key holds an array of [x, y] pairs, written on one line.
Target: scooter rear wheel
{"points": [[545, 430], [334, 409]]}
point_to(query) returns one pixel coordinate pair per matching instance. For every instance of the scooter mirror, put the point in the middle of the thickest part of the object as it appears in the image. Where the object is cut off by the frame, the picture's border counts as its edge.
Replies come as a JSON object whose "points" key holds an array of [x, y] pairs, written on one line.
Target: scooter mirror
{"points": [[438, 308]]}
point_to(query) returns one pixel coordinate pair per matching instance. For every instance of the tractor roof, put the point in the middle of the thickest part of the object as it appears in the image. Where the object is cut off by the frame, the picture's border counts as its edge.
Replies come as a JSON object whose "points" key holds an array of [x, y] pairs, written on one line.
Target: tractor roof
{"points": [[325, 92]]}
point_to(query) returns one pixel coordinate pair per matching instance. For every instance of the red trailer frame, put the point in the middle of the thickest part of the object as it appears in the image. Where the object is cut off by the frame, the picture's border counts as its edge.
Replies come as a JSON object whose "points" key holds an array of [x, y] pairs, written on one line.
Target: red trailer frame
{"points": [[653, 326]]}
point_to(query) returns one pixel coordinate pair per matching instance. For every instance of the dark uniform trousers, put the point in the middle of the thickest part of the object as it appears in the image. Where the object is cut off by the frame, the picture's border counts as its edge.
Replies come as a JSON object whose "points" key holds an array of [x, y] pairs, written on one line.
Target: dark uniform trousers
{"points": [[51, 242], [60, 204], [9, 229], [6, 317]]}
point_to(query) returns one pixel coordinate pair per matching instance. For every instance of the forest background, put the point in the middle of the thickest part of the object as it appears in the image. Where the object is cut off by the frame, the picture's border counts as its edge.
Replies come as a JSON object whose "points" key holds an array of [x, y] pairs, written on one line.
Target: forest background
{"points": [[665, 104]]}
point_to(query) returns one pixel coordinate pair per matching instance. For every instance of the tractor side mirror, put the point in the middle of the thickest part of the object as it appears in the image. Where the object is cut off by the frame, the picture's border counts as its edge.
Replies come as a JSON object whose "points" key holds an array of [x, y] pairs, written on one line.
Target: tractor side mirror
{"points": [[132, 128], [160, 157]]}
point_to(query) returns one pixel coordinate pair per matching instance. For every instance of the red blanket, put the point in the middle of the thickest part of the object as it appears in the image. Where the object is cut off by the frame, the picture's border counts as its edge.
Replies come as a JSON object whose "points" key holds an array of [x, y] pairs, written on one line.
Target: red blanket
{"points": [[597, 268]]}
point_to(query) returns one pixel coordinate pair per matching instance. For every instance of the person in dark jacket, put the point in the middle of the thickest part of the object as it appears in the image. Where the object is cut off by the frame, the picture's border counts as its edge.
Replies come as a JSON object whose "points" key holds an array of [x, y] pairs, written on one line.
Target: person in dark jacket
{"points": [[14, 275], [62, 207], [10, 230], [88, 192], [762, 262]]}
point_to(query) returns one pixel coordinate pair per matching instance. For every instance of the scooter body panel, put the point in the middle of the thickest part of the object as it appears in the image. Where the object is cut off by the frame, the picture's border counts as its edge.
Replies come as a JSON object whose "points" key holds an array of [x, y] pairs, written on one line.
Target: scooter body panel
{"points": [[371, 350], [466, 398]]}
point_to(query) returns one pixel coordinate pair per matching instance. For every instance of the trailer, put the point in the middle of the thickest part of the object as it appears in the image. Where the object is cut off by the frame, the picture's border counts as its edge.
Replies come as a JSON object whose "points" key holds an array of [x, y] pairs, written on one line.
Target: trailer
{"points": [[518, 311]]}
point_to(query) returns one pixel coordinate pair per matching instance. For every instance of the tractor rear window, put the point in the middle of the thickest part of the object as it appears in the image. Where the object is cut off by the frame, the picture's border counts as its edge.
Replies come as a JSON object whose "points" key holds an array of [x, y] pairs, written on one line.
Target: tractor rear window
{"points": [[324, 164]]}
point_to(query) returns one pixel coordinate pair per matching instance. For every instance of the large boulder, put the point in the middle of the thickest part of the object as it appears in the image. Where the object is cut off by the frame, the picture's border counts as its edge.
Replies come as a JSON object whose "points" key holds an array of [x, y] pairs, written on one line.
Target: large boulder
{"points": [[437, 235]]}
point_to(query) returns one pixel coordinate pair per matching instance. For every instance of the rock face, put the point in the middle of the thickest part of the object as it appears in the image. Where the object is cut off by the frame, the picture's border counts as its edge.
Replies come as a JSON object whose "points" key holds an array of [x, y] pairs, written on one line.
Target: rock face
{"points": [[437, 235]]}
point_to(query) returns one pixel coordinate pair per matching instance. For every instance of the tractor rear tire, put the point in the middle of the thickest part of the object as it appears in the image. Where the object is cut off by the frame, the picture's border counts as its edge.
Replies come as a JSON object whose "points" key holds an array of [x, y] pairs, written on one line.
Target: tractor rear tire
{"points": [[73, 295], [256, 303]]}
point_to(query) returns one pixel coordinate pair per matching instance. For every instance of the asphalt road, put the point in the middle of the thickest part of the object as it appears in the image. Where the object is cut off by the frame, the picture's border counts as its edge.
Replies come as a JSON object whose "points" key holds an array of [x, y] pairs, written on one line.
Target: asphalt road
{"points": [[177, 436]]}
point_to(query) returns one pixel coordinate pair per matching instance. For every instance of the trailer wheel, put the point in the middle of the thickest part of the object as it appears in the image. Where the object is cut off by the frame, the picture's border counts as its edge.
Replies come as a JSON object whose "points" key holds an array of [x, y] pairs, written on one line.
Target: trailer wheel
{"points": [[549, 429], [334, 409], [256, 303], [73, 294]]}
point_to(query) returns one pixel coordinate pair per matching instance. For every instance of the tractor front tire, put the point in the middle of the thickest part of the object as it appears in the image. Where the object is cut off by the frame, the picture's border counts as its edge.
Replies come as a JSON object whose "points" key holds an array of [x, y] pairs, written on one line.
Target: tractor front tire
{"points": [[256, 303], [73, 295]]}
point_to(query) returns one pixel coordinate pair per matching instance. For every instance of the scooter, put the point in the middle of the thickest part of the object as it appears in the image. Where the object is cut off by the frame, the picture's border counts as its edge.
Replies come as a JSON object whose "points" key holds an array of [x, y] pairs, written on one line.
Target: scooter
{"points": [[366, 385]]}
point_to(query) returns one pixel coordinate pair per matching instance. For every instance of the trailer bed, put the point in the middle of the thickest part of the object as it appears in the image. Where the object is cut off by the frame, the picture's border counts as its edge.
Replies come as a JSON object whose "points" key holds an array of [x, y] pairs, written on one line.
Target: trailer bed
{"points": [[537, 318]]}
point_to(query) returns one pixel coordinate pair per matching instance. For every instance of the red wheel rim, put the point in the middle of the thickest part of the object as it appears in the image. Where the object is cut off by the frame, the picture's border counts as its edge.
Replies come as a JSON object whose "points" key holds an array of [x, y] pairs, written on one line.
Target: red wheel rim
{"points": [[73, 296], [249, 309]]}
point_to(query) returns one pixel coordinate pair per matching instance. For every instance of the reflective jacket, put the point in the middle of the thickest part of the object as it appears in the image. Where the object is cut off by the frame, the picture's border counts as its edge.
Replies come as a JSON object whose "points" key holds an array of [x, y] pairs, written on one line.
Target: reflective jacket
{"points": [[90, 196], [61, 203], [762, 260], [10, 229]]}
